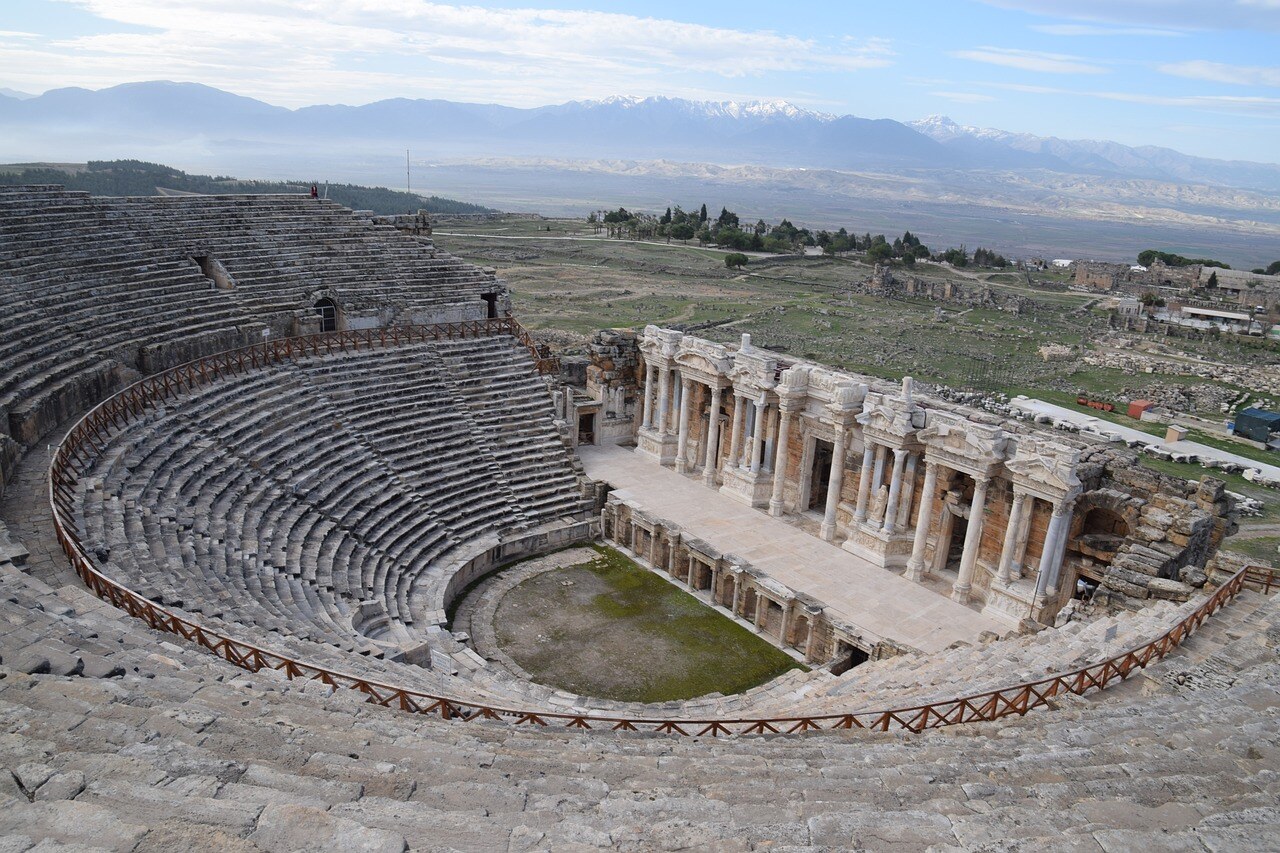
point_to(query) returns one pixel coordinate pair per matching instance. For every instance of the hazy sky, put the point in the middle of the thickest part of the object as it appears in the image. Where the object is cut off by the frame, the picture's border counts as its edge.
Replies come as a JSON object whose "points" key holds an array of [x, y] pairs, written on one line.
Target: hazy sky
{"points": [[1197, 75]]}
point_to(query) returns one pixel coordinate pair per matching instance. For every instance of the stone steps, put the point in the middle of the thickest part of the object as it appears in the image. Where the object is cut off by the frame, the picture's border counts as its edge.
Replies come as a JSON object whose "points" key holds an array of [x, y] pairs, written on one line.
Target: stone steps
{"points": [[113, 279], [183, 751]]}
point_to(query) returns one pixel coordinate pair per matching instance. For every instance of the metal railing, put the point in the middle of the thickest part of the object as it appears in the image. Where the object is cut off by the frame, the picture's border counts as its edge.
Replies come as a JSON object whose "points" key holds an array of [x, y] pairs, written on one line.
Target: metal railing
{"points": [[88, 439]]}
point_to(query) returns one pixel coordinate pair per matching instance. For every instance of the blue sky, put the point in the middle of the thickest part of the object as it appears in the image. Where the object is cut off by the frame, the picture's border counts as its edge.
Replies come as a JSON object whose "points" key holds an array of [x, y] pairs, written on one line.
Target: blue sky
{"points": [[1201, 76]]}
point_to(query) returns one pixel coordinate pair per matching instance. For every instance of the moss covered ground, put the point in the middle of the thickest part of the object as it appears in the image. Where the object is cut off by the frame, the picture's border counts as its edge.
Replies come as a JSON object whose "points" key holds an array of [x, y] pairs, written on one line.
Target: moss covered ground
{"points": [[611, 629]]}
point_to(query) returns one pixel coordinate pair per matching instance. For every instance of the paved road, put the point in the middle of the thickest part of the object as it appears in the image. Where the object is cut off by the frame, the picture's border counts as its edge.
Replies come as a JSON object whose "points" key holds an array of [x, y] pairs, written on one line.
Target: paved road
{"points": [[1084, 418]]}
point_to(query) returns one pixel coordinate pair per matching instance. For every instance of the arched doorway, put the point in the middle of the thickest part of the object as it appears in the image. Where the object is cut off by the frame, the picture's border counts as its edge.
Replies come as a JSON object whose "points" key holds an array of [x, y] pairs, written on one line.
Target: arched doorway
{"points": [[328, 311]]}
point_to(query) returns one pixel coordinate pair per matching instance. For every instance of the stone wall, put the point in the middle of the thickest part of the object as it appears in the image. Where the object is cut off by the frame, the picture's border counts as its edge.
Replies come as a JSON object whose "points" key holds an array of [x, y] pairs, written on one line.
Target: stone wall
{"points": [[1174, 527]]}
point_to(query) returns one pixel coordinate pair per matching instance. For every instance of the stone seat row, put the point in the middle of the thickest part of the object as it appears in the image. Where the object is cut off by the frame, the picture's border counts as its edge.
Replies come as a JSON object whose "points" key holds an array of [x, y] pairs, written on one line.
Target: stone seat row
{"points": [[156, 745], [907, 680], [282, 498]]}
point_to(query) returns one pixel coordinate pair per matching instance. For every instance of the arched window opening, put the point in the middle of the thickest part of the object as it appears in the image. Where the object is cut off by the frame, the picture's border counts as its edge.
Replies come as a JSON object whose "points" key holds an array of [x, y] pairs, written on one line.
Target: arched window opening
{"points": [[328, 311]]}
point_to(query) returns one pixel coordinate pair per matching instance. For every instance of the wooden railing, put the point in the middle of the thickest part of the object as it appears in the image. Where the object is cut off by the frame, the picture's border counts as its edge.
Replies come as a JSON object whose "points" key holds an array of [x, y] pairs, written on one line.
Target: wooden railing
{"points": [[88, 439]]}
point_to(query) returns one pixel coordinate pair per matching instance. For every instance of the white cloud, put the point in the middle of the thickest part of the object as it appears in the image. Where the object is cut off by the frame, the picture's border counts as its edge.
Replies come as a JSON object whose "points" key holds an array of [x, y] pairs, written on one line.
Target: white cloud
{"points": [[294, 52], [1232, 104], [1190, 14], [1096, 30], [964, 97], [1028, 60], [1218, 72]]}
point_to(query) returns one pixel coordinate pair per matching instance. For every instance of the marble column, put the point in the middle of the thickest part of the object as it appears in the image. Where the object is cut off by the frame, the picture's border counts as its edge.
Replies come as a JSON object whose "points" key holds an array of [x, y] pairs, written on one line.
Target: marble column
{"points": [[835, 482], [1023, 534], [735, 438], [808, 640], [786, 623], [1060, 550], [649, 370], [688, 575], [673, 411], [908, 487], [1056, 531], [664, 399], [780, 460], [757, 437], [924, 520], [1004, 572], [864, 481], [877, 474], [682, 442], [653, 547], [895, 491], [972, 541], [761, 604], [712, 438]]}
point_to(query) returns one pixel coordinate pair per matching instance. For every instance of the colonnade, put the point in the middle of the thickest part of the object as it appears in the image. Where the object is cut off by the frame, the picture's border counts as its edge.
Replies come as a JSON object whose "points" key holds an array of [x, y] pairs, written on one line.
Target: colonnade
{"points": [[887, 477], [800, 622]]}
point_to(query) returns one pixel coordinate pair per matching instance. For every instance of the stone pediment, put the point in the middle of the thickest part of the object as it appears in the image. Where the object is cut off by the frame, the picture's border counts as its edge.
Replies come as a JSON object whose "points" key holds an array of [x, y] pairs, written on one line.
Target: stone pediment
{"points": [[754, 369], [887, 418], [1039, 462], [950, 437], [703, 357]]}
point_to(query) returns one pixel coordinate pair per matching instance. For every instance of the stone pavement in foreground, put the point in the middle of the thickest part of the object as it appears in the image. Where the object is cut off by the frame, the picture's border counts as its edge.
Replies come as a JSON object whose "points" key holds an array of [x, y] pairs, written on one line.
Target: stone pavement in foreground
{"points": [[853, 589]]}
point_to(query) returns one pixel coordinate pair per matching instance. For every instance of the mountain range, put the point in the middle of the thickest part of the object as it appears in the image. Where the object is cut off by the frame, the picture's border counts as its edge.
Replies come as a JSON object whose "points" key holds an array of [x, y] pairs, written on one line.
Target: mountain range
{"points": [[64, 123]]}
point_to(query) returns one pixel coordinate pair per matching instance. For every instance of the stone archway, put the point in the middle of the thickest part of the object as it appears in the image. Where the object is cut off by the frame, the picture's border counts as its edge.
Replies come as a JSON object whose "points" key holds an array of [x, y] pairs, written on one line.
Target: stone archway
{"points": [[328, 311]]}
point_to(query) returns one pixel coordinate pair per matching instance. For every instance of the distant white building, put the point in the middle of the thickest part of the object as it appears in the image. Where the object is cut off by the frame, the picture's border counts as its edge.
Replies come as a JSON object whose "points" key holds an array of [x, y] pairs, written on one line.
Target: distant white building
{"points": [[1063, 262]]}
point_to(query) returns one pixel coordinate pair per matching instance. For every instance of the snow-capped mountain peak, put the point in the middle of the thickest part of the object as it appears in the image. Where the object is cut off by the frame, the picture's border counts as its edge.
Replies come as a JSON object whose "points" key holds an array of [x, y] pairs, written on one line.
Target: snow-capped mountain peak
{"points": [[944, 129], [756, 109]]}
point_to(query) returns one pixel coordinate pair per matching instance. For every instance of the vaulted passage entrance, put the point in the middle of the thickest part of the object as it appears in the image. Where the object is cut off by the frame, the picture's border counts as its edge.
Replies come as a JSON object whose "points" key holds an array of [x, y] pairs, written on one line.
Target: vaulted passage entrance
{"points": [[328, 311], [820, 475]]}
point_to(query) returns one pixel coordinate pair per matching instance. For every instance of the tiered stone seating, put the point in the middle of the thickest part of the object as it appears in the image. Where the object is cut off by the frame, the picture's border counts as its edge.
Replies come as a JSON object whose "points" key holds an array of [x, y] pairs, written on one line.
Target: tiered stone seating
{"points": [[98, 288], [310, 499], [118, 738]]}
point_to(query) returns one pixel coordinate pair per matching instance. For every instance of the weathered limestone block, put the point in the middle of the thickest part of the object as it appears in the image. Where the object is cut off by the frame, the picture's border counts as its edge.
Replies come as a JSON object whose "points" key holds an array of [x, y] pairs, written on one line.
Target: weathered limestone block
{"points": [[1115, 580], [1170, 589]]}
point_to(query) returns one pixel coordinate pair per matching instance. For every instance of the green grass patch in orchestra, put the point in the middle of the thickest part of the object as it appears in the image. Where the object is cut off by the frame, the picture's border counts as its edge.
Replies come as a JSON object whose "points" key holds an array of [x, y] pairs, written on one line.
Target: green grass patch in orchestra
{"points": [[611, 629]]}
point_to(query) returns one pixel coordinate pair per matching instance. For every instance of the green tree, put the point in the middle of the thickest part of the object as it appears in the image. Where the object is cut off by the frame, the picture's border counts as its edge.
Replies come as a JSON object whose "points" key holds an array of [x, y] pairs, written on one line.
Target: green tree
{"points": [[880, 252], [683, 231], [736, 260]]}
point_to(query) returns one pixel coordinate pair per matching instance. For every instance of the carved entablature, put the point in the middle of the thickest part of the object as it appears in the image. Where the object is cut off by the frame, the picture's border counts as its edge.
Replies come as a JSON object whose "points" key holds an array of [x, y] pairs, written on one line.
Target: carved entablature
{"points": [[825, 382], [704, 361], [660, 345], [846, 401], [960, 444], [754, 370], [1044, 468], [793, 388], [889, 420]]}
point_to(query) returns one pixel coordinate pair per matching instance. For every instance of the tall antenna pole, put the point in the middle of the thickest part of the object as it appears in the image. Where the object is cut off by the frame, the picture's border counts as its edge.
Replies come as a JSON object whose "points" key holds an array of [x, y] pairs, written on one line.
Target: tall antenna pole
{"points": [[407, 189]]}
